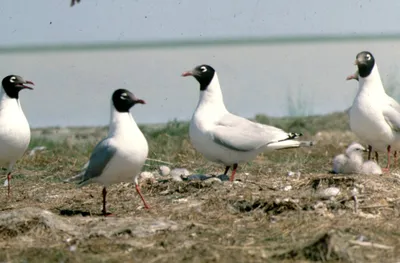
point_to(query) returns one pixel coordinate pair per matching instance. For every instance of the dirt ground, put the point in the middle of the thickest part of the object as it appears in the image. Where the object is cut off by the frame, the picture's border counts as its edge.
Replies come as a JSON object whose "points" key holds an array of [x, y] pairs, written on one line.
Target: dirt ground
{"points": [[266, 215]]}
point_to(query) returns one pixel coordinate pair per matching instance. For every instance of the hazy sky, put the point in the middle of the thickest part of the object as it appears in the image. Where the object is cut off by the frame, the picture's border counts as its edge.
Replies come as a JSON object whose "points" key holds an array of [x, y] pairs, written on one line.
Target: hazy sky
{"points": [[53, 21], [74, 88]]}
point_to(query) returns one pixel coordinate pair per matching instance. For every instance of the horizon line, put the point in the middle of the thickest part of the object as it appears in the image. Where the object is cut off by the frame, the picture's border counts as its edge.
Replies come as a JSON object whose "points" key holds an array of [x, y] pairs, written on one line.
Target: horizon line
{"points": [[187, 43]]}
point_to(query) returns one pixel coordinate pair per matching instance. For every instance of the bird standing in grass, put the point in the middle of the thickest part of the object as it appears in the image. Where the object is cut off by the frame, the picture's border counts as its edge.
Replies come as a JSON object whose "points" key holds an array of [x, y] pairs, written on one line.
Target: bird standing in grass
{"points": [[15, 133], [121, 156], [374, 116], [226, 138], [355, 76]]}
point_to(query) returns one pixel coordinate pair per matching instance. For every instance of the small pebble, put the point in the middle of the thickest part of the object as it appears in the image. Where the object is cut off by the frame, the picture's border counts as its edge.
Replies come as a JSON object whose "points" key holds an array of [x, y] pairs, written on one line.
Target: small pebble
{"points": [[238, 184], [181, 200], [164, 170], [177, 178], [330, 192], [294, 174], [72, 248], [319, 205], [146, 176], [213, 180], [287, 188], [180, 172]]}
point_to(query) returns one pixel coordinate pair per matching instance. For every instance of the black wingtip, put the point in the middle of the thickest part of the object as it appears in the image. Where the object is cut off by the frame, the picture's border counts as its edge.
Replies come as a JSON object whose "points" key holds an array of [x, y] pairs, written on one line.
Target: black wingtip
{"points": [[291, 136], [294, 135]]}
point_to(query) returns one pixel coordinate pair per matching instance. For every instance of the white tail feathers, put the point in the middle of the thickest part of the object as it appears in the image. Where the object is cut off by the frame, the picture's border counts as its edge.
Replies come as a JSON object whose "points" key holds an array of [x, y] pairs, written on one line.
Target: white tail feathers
{"points": [[289, 144]]}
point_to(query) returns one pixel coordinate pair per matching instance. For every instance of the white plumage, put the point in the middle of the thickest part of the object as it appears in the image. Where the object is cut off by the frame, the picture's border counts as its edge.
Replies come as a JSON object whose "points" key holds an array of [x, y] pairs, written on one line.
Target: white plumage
{"points": [[226, 138], [121, 155], [352, 162], [374, 116], [15, 133]]}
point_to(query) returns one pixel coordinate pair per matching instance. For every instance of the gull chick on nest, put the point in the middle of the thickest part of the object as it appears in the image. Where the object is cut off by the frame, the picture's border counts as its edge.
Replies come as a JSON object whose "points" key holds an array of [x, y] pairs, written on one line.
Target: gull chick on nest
{"points": [[352, 162]]}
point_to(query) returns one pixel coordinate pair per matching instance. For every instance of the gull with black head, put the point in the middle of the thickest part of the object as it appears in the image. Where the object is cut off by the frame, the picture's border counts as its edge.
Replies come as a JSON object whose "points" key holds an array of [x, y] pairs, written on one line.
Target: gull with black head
{"points": [[121, 155], [226, 138], [374, 116], [355, 76], [15, 133]]}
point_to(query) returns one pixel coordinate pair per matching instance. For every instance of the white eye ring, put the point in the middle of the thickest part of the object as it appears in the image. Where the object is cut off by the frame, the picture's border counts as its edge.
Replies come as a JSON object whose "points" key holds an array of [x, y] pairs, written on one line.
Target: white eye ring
{"points": [[12, 79], [124, 96], [368, 56], [203, 69]]}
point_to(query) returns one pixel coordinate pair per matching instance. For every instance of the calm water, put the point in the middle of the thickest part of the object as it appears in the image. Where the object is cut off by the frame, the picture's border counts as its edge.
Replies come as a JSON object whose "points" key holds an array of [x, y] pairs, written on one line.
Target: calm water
{"points": [[74, 88]]}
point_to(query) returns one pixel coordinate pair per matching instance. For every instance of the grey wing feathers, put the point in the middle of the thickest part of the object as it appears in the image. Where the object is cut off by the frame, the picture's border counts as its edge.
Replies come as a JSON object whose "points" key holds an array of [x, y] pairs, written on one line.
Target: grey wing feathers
{"points": [[392, 114], [240, 134], [99, 159]]}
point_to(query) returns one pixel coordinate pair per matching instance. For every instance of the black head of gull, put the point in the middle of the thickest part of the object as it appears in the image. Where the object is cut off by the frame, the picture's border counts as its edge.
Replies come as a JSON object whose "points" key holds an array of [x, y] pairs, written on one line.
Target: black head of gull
{"points": [[365, 62], [13, 84], [203, 74], [123, 100]]}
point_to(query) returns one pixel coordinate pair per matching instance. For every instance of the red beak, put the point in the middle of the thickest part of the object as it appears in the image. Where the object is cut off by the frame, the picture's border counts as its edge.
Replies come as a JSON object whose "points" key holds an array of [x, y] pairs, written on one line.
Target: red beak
{"points": [[187, 73], [28, 82], [140, 101]]}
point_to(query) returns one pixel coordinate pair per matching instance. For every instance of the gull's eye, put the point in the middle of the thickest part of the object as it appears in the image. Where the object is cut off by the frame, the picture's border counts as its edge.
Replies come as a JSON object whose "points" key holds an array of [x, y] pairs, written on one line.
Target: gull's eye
{"points": [[124, 96], [203, 69], [12, 79], [368, 57]]}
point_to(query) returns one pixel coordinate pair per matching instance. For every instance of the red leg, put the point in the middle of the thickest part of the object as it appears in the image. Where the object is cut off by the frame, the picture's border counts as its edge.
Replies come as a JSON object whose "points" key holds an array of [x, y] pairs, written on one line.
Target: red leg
{"points": [[233, 172], [9, 184], [141, 196], [388, 160]]}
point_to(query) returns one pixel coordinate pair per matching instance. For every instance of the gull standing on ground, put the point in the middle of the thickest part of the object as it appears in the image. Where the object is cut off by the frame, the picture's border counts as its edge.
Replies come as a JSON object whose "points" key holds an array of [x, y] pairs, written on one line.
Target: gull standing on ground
{"points": [[352, 162], [226, 138], [356, 77], [120, 156], [374, 116], [15, 133]]}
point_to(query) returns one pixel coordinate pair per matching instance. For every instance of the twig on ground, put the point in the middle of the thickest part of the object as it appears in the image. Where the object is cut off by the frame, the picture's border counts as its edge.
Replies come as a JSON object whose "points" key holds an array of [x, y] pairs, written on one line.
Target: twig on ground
{"points": [[355, 204], [370, 244], [376, 206]]}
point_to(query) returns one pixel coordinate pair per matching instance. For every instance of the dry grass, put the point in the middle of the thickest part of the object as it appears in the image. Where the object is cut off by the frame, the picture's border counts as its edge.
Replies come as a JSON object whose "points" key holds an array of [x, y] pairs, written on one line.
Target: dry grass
{"points": [[251, 220]]}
